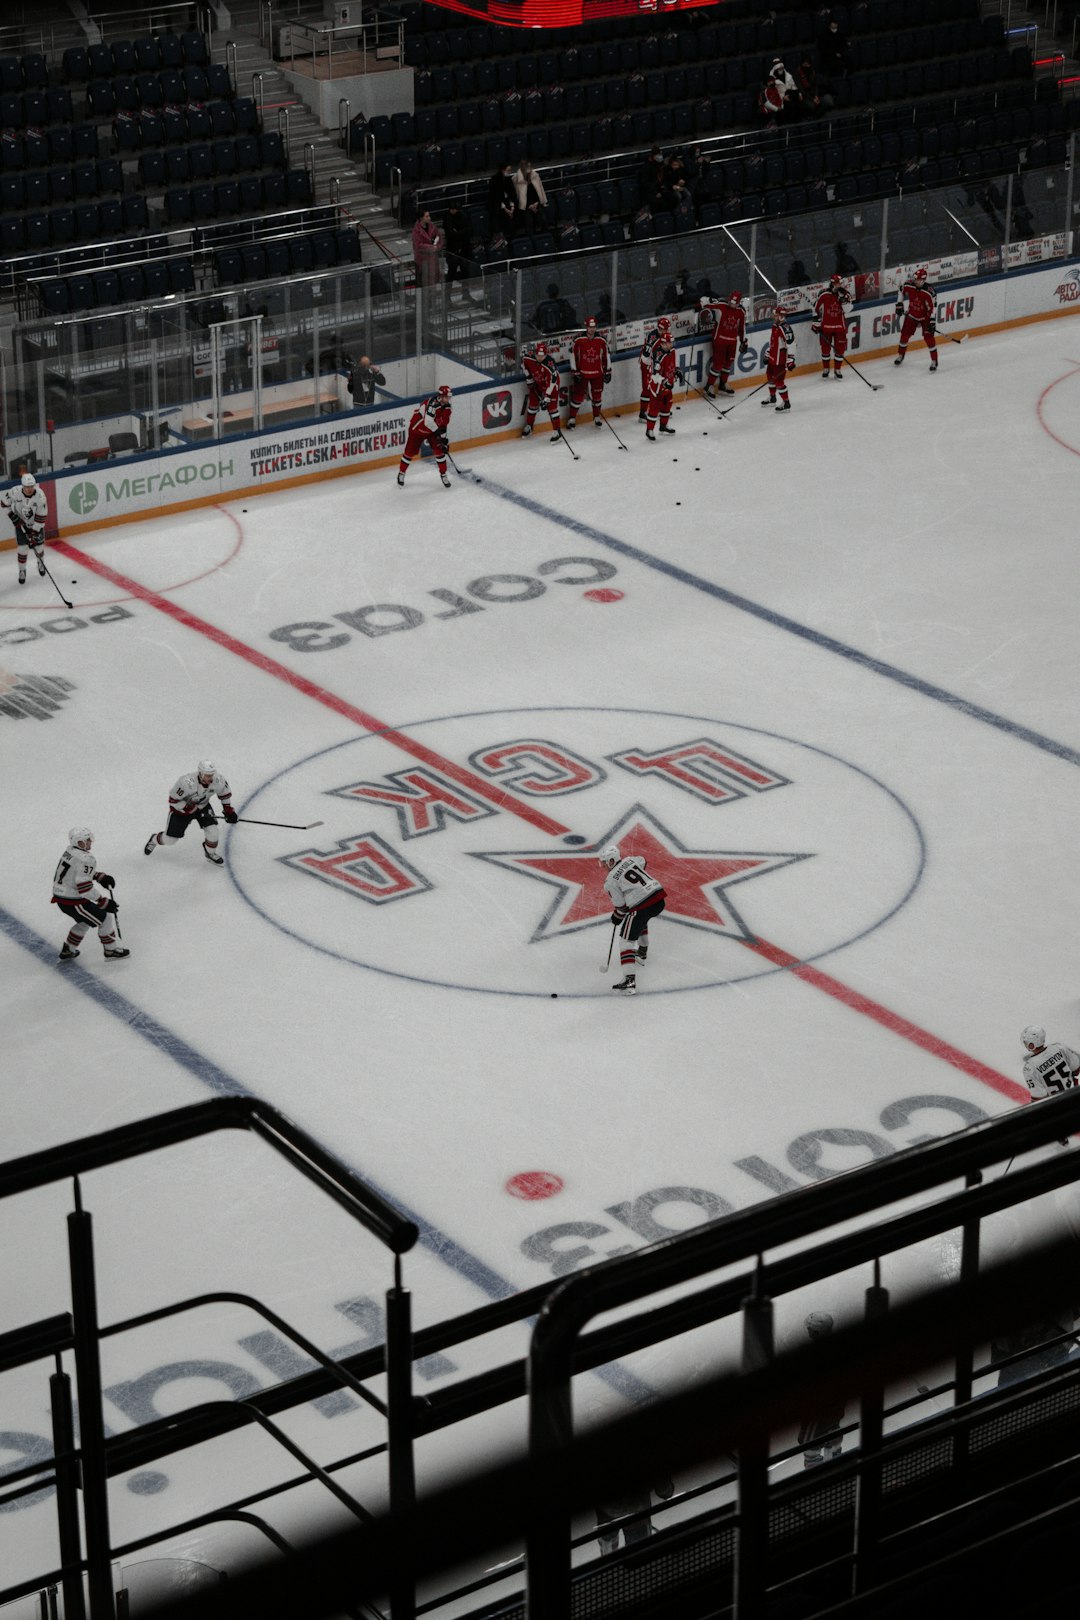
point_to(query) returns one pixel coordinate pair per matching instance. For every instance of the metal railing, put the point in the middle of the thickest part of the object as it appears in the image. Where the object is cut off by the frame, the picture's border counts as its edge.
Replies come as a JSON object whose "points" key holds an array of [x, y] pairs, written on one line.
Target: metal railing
{"points": [[81, 1472], [382, 39]]}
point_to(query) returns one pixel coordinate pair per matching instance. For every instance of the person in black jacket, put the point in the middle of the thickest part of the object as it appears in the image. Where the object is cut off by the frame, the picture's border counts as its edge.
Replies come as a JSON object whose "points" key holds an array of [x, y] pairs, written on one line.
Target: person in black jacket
{"points": [[502, 200], [363, 379], [458, 233]]}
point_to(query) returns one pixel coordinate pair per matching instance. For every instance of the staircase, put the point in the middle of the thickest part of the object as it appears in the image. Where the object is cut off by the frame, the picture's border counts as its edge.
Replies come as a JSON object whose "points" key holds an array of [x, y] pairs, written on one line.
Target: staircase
{"points": [[381, 233]]}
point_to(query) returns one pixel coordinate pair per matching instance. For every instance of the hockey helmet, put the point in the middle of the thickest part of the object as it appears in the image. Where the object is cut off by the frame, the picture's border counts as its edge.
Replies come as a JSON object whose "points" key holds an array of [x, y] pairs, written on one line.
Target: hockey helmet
{"points": [[80, 838], [836, 280], [540, 351], [206, 767], [590, 323], [818, 1324], [609, 856], [1033, 1037], [922, 273], [443, 390], [663, 325], [735, 298], [28, 481]]}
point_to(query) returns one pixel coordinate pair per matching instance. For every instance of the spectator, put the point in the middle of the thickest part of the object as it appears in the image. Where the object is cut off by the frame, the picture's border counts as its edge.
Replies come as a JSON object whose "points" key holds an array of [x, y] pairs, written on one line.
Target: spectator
{"points": [[531, 198], [653, 180], [771, 100], [1023, 224], [817, 1433], [620, 1501], [834, 55], [814, 96], [791, 90], [364, 378], [502, 200], [846, 262], [798, 275], [460, 265], [603, 310], [698, 175], [554, 314], [683, 206], [426, 242], [679, 294]]}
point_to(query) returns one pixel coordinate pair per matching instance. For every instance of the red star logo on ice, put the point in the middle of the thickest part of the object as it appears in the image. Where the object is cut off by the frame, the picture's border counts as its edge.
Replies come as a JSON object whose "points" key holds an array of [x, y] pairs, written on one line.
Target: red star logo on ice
{"points": [[695, 881]]}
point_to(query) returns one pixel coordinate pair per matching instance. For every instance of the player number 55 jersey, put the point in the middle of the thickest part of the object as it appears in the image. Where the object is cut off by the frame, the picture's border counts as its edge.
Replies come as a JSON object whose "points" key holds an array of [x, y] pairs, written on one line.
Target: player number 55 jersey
{"points": [[1052, 1071]]}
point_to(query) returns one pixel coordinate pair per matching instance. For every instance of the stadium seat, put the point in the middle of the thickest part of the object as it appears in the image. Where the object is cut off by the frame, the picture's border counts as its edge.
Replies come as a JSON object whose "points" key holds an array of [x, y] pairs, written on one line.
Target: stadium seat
{"points": [[301, 254], [277, 258]]}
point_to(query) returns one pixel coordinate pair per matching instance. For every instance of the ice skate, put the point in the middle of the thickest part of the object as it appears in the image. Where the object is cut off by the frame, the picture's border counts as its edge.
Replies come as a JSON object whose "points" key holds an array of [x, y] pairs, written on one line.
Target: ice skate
{"points": [[838, 374], [556, 435], [650, 435], [933, 367], [41, 560], [211, 854], [825, 375], [150, 845], [627, 986], [770, 401], [446, 480], [710, 391], [642, 951], [641, 416], [598, 421], [526, 430], [401, 480], [22, 574], [899, 360], [571, 423], [113, 952], [67, 954], [665, 429], [724, 389], [784, 405]]}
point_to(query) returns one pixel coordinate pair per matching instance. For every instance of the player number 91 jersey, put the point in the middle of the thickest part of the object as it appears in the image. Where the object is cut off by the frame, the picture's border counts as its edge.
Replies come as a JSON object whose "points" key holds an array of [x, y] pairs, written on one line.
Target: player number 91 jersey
{"points": [[629, 885]]}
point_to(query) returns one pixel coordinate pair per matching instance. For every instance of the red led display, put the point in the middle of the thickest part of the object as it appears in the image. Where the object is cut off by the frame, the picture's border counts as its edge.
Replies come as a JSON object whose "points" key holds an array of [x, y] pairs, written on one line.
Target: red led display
{"points": [[565, 13]]}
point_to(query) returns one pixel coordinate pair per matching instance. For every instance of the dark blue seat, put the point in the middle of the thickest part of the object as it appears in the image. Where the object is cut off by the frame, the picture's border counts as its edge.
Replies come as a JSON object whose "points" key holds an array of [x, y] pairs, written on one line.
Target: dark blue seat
{"points": [[148, 89], [87, 222], [324, 248], [61, 186], [156, 278], [100, 57], [106, 288], [86, 182], [75, 65], [12, 151], [171, 50], [12, 195], [124, 58], [223, 154], [178, 205], [194, 45], [135, 214], [298, 185], [217, 80], [36, 186], [274, 193], [153, 170], [277, 258], [203, 202], [54, 296], [110, 176], [181, 274], [251, 194], [147, 54], [196, 84], [227, 197], [272, 149], [200, 161], [81, 292], [226, 117], [126, 93], [99, 96], [301, 254], [177, 165]]}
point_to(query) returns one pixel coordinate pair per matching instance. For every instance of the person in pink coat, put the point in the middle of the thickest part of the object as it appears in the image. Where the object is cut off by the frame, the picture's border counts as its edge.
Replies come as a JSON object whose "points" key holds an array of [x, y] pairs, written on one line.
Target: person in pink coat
{"points": [[427, 242]]}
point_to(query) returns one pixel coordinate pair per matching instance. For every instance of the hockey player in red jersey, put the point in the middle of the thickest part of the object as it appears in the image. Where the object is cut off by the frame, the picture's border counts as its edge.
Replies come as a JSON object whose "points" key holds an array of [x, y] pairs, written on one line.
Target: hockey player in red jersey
{"points": [[543, 375], [591, 370], [830, 322], [777, 360], [665, 369], [430, 423], [662, 329], [729, 334], [921, 309]]}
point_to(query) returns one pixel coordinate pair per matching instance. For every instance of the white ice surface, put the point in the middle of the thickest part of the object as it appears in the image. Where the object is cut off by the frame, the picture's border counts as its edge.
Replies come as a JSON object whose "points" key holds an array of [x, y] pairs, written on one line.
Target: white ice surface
{"points": [[929, 525]]}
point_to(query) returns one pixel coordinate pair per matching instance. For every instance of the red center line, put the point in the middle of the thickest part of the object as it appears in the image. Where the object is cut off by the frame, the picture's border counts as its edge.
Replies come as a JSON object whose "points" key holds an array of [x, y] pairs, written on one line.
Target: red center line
{"points": [[536, 818], [270, 666], [889, 1020]]}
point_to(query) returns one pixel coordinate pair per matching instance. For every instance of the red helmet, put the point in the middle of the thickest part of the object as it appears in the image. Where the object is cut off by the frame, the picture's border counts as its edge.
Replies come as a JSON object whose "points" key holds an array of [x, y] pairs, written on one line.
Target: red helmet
{"points": [[922, 273], [735, 298], [590, 320], [836, 281], [540, 351], [663, 326], [444, 390]]}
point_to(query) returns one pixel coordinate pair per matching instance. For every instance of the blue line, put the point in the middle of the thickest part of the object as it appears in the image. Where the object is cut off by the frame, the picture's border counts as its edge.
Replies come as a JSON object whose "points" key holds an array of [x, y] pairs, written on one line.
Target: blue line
{"points": [[215, 1079], [780, 621]]}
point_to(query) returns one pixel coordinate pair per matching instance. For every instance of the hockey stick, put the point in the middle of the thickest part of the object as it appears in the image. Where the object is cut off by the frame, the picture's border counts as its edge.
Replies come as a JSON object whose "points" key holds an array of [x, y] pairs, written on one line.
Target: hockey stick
{"points": [[877, 387], [961, 339], [56, 587], [713, 407], [294, 826], [608, 425], [611, 946], [745, 397], [559, 434], [462, 472]]}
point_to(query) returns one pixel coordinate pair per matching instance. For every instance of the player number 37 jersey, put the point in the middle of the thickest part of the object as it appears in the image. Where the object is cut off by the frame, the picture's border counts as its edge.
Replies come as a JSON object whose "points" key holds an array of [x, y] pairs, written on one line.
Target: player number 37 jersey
{"points": [[629, 885]]}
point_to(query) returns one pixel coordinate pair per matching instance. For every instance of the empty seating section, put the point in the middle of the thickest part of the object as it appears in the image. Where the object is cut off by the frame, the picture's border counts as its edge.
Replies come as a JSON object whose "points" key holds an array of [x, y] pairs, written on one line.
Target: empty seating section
{"points": [[483, 92], [125, 138]]}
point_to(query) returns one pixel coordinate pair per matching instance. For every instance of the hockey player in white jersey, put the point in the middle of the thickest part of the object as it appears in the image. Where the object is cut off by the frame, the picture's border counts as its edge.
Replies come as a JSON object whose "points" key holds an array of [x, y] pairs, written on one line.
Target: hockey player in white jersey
{"points": [[1048, 1070], [74, 892], [189, 801], [25, 505], [637, 899]]}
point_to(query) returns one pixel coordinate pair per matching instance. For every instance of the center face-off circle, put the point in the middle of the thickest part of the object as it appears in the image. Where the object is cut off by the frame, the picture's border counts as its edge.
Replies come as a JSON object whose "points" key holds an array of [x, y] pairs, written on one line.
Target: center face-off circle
{"points": [[756, 836]]}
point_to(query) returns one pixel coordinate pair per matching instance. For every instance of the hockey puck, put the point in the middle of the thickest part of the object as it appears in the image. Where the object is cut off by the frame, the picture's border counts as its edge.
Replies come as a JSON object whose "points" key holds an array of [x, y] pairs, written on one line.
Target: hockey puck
{"points": [[74, 582], [678, 503], [554, 995], [574, 838]]}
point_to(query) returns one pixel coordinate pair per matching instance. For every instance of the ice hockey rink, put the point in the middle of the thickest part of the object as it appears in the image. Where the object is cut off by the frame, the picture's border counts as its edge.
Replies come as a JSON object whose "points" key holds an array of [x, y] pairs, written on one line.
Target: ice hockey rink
{"points": [[821, 668]]}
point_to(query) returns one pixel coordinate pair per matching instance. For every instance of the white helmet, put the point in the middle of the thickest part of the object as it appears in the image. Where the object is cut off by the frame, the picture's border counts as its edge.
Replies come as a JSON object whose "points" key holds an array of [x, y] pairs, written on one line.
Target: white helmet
{"points": [[29, 481], [609, 856], [207, 767], [80, 838], [1033, 1037]]}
